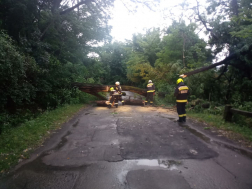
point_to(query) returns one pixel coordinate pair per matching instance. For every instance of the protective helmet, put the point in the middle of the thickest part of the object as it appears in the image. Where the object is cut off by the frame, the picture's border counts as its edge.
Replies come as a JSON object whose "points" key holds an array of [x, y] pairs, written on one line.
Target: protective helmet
{"points": [[117, 83], [111, 89], [179, 80], [150, 81]]}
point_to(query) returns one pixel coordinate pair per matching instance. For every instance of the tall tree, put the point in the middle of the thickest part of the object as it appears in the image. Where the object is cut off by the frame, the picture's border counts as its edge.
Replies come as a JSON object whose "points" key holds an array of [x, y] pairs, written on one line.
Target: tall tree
{"points": [[143, 56]]}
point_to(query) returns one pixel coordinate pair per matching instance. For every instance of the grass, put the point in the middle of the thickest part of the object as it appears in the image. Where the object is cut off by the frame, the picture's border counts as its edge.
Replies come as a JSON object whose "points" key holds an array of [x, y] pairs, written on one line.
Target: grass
{"points": [[218, 122], [237, 131], [162, 102], [17, 143]]}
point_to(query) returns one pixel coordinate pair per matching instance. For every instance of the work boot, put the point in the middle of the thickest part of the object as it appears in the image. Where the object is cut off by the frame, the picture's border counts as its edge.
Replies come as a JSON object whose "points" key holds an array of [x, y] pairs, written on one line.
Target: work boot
{"points": [[180, 119], [146, 103], [184, 118]]}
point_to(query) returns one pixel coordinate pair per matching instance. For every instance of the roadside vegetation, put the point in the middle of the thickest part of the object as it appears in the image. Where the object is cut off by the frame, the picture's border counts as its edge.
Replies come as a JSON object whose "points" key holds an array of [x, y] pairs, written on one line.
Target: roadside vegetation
{"points": [[213, 116], [218, 122], [240, 129]]}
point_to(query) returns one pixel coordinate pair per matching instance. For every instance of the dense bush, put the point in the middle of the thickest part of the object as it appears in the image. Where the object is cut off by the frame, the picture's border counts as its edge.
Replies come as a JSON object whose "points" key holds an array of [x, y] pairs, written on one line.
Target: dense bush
{"points": [[28, 89]]}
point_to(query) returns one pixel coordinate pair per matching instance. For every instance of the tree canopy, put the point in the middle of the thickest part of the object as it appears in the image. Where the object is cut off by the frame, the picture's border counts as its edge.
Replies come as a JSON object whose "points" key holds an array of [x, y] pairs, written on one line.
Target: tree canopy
{"points": [[47, 44]]}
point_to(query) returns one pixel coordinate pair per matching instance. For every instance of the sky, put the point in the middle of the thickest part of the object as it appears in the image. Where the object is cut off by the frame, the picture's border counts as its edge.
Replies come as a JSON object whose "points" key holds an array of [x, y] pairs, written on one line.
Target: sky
{"points": [[125, 24]]}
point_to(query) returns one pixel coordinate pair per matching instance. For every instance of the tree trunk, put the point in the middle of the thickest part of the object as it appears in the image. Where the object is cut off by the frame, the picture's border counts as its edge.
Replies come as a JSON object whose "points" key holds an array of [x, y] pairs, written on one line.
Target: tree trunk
{"points": [[95, 88], [138, 102], [225, 61], [134, 102], [102, 103], [234, 7]]}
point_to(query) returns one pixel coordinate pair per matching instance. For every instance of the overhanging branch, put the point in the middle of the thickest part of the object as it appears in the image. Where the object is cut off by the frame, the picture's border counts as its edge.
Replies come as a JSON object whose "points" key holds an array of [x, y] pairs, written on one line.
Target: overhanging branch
{"points": [[75, 6], [225, 61]]}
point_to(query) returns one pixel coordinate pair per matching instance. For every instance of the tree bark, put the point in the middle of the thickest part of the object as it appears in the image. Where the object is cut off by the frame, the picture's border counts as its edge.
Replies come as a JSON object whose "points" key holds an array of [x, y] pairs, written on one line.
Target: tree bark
{"points": [[137, 102], [134, 102], [101, 103]]}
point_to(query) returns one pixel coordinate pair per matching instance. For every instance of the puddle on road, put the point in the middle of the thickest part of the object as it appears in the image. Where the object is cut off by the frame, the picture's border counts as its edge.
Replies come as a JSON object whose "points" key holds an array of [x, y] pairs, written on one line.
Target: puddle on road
{"points": [[151, 163], [169, 164], [146, 164], [122, 177]]}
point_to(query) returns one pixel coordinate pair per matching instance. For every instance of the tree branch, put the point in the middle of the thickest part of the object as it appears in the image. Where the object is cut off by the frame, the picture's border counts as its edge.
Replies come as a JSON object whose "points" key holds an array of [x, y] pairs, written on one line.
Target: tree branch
{"points": [[204, 22], [223, 72], [225, 61], [75, 6]]}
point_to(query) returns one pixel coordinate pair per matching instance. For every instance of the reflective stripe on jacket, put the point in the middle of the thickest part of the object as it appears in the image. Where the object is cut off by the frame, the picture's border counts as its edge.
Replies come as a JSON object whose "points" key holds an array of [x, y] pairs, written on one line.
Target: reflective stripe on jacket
{"points": [[181, 93], [118, 89], [150, 88]]}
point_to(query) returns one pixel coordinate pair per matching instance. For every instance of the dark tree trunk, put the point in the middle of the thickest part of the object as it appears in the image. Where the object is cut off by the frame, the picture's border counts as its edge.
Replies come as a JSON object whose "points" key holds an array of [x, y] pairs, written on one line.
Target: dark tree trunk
{"points": [[234, 7]]}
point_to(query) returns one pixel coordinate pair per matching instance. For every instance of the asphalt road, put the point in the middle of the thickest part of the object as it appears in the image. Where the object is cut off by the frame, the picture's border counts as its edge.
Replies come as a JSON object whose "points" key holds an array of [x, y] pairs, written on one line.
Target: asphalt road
{"points": [[133, 147]]}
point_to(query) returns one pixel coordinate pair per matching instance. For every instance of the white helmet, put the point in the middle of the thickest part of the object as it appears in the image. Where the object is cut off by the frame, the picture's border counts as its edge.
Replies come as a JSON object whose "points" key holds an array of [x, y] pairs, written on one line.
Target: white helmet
{"points": [[117, 83], [150, 81]]}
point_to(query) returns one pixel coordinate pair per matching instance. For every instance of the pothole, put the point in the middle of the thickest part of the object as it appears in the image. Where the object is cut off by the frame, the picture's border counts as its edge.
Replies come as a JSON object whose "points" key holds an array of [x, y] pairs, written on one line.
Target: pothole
{"points": [[76, 123], [63, 141]]}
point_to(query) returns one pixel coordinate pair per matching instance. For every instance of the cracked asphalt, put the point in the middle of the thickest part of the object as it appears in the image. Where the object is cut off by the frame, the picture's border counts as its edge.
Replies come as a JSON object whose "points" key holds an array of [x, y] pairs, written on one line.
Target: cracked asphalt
{"points": [[133, 147]]}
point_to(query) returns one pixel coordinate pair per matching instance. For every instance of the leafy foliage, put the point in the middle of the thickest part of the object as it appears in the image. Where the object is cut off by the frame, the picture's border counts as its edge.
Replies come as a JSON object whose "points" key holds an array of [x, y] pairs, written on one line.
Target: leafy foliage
{"points": [[43, 50], [47, 45]]}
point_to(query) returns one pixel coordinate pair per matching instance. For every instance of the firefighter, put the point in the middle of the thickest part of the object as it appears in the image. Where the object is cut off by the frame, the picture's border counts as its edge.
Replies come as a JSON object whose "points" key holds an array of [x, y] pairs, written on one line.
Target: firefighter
{"points": [[150, 92], [118, 89], [181, 93], [111, 99]]}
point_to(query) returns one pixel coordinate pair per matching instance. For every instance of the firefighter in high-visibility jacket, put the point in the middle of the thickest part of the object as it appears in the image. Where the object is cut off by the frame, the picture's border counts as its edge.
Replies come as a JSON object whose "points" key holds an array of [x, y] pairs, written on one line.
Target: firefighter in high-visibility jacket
{"points": [[111, 98], [181, 93], [150, 92], [118, 89]]}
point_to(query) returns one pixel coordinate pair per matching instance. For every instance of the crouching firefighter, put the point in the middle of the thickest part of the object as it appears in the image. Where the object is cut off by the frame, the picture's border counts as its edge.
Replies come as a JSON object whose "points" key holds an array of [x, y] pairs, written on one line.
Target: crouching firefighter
{"points": [[181, 93], [150, 92], [111, 98], [118, 89]]}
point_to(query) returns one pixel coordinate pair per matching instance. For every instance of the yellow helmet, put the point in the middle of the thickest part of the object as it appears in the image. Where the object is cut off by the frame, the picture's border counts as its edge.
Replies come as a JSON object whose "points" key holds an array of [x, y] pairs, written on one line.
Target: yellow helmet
{"points": [[111, 89], [179, 80]]}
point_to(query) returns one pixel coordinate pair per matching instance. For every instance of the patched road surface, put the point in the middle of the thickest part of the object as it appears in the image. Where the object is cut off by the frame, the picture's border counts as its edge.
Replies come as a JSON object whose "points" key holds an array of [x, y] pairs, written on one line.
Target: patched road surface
{"points": [[133, 147]]}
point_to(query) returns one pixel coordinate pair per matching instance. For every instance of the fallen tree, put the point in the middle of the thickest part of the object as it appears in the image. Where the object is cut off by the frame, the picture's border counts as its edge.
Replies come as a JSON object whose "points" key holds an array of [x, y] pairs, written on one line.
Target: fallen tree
{"points": [[138, 102], [94, 89]]}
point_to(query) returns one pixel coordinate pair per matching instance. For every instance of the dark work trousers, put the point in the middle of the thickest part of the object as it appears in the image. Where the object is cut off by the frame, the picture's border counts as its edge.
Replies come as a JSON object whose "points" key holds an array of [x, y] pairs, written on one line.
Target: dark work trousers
{"points": [[181, 110], [115, 98], [120, 98], [112, 99], [149, 97]]}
